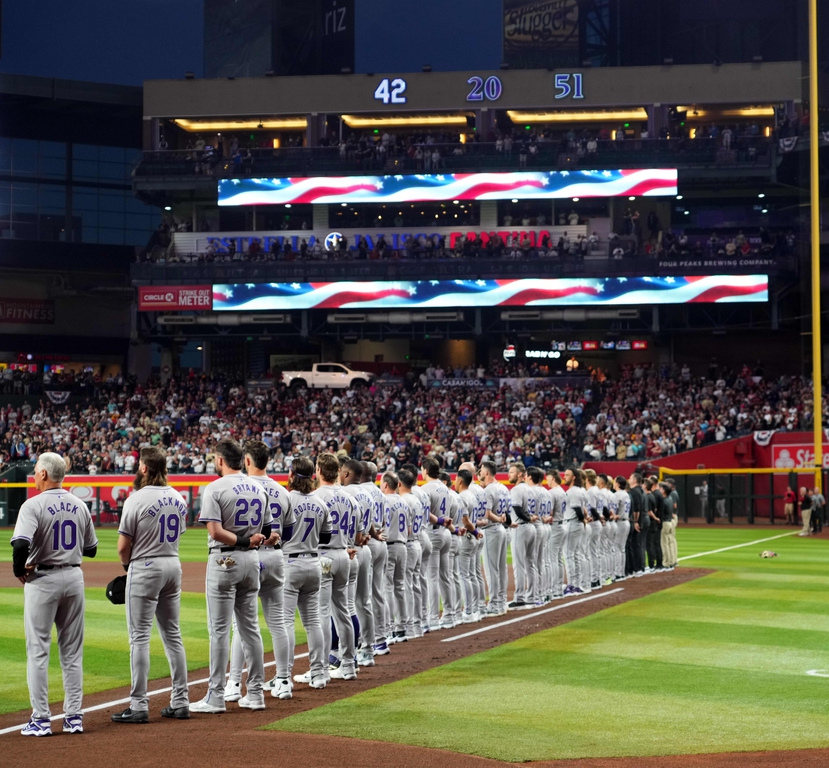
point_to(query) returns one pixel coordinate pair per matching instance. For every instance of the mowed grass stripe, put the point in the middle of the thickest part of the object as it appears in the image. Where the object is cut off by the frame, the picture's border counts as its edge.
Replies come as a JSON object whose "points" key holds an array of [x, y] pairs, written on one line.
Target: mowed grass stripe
{"points": [[717, 664], [106, 646]]}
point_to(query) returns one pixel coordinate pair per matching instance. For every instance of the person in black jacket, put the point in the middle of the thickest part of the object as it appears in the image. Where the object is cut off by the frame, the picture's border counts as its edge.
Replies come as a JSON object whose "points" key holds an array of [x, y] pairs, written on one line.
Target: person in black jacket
{"points": [[635, 563], [656, 503]]}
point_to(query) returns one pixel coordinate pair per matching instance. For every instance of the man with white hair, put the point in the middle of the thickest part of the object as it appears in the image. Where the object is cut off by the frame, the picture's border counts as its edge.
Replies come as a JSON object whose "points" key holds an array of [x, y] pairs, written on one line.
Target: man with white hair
{"points": [[54, 531]]}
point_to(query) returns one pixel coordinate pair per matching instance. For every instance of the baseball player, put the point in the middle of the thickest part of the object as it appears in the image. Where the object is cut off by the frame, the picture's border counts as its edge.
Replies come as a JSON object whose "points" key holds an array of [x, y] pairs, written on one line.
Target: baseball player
{"points": [[596, 503], [480, 523], [414, 553], [523, 545], [351, 475], [472, 507], [441, 584], [497, 512], [669, 531], [610, 530], [53, 532], [574, 519], [379, 556], [538, 507], [238, 517], [398, 517], [303, 575], [425, 548], [335, 563], [271, 579], [455, 513], [635, 552], [558, 533], [623, 526], [153, 520]]}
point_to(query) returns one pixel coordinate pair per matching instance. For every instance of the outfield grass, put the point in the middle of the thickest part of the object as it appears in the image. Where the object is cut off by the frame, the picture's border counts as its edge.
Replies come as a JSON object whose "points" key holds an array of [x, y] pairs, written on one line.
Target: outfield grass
{"points": [[714, 665], [106, 646]]}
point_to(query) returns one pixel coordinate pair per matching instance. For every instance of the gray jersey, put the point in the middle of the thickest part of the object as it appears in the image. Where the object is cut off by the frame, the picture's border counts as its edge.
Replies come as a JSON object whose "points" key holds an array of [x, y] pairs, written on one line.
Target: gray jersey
{"points": [[312, 519], [544, 501], [154, 518], [417, 492], [519, 497], [497, 498], [470, 505], [455, 508], [238, 503], [594, 501], [480, 501], [278, 502], [575, 498], [377, 506], [559, 497], [397, 514], [416, 517], [342, 509], [437, 497], [609, 500], [57, 526], [623, 505], [364, 506]]}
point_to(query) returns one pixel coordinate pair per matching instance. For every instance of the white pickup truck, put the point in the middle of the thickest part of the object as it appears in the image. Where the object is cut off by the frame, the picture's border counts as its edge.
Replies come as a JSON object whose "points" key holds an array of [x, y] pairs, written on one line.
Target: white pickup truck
{"points": [[322, 375]]}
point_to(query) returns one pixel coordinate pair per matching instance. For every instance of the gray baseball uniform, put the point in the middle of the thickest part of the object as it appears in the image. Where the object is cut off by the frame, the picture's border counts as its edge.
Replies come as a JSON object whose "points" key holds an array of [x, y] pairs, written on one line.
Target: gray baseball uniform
{"points": [[543, 502], [336, 569], [425, 556], [594, 551], [576, 564], [558, 539], [241, 506], [495, 546], [362, 591], [622, 530], [398, 519], [154, 519], [456, 513], [441, 585], [58, 527], [481, 523], [467, 556], [414, 556], [608, 534], [523, 544], [271, 585], [303, 577], [379, 558]]}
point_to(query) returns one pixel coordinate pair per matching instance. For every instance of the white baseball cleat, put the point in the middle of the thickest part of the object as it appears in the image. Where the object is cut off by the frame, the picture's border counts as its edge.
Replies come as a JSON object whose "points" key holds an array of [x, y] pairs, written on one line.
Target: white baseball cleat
{"points": [[73, 724], [365, 658], [252, 702], [318, 682], [282, 690], [233, 691], [343, 673], [37, 726], [206, 707]]}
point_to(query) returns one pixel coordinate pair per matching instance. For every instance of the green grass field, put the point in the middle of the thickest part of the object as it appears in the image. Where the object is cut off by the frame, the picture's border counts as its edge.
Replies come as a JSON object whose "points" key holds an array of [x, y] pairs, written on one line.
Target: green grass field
{"points": [[715, 665], [106, 646]]}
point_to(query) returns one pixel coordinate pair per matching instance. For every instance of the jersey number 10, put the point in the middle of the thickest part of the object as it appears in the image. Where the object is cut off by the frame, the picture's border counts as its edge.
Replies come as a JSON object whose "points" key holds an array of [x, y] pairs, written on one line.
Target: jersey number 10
{"points": [[64, 535]]}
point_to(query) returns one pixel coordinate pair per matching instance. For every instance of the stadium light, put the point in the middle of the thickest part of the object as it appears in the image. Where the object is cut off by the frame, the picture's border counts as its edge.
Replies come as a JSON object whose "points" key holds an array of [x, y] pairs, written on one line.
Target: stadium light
{"points": [[273, 124], [353, 121], [569, 116]]}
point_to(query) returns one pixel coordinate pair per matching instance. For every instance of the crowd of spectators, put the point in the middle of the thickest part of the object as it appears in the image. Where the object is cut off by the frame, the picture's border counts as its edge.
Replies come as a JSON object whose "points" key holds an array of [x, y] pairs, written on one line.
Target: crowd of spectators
{"points": [[648, 413], [644, 413]]}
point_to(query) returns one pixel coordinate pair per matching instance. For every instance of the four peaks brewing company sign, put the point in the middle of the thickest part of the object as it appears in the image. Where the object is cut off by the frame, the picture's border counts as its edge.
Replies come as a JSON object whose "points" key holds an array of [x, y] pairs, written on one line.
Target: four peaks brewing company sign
{"points": [[541, 33]]}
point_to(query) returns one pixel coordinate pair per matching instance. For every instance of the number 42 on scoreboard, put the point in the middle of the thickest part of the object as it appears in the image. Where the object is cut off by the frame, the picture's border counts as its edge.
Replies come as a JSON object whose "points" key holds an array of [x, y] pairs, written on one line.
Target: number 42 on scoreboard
{"points": [[391, 92]]}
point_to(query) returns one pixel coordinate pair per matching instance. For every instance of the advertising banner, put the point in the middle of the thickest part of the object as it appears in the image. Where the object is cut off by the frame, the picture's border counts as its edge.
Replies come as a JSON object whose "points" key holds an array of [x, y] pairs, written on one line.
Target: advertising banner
{"points": [[525, 292], [541, 34], [158, 298], [27, 311], [430, 187]]}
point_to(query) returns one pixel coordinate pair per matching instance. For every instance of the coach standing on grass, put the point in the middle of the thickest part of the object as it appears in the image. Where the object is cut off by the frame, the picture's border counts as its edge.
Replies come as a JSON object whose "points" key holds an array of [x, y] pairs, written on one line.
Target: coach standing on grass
{"points": [[635, 559], [53, 532], [148, 539]]}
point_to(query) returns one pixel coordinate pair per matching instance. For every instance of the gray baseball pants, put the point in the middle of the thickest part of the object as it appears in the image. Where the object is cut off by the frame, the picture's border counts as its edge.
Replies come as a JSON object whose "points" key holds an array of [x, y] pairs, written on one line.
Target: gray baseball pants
{"points": [[302, 590], [399, 605], [468, 564], [558, 546], [575, 552], [271, 587], [379, 558], [441, 584], [595, 551], [334, 602], [154, 591], [232, 592], [414, 555], [523, 548], [362, 599], [495, 559], [56, 598], [622, 533], [425, 592]]}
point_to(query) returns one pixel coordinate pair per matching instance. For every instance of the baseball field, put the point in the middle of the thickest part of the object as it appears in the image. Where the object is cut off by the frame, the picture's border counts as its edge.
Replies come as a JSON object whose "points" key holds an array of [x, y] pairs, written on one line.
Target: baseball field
{"points": [[728, 654]]}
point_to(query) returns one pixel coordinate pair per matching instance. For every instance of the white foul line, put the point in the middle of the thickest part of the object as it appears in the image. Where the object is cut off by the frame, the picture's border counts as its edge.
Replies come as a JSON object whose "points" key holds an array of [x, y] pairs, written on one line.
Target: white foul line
{"points": [[116, 702], [737, 546], [532, 615]]}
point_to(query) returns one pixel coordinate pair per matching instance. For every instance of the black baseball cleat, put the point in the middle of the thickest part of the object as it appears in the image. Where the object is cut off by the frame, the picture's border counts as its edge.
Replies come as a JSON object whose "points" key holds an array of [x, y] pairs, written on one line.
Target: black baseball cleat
{"points": [[128, 716], [177, 713], [516, 604]]}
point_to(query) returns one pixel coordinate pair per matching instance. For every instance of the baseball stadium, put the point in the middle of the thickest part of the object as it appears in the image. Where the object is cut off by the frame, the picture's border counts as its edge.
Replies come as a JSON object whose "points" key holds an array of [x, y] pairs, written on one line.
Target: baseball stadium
{"points": [[447, 393]]}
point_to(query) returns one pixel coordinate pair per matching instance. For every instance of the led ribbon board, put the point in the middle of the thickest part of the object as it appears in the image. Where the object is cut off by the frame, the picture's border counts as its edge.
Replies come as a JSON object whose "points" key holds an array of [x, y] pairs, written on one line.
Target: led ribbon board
{"points": [[425, 187], [529, 292]]}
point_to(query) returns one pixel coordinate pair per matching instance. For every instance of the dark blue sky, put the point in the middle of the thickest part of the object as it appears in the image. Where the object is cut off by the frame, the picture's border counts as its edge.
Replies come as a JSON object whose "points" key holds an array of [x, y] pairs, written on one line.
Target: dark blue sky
{"points": [[129, 41]]}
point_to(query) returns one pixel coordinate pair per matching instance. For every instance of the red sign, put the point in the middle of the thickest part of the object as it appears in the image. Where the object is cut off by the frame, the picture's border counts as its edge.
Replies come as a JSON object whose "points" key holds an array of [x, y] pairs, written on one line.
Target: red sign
{"points": [[155, 298], [590, 345], [27, 311], [640, 345]]}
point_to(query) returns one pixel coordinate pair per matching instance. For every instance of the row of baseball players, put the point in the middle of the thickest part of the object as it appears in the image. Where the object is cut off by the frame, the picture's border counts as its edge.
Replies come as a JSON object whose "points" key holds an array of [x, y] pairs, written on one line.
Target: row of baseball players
{"points": [[366, 566]]}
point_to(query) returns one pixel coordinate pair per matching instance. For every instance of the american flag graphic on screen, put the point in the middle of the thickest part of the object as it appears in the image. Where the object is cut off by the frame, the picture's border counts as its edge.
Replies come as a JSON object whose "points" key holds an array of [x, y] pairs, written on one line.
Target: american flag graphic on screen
{"points": [[527, 292], [413, 188]]}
